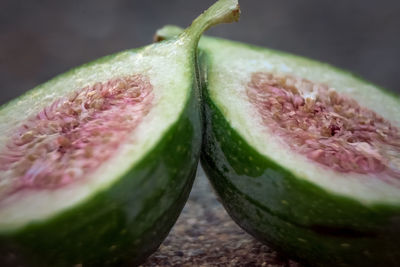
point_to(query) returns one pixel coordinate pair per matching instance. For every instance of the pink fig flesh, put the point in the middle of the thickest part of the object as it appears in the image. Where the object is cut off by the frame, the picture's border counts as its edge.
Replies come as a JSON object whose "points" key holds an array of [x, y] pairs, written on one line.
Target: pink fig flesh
{"points": [[327, 127], [72, 137]]}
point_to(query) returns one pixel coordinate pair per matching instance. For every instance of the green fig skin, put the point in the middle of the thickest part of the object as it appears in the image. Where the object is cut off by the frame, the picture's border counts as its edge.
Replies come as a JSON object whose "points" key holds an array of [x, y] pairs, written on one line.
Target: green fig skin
{"points": [[315, 246], [125, 223], [333, 247]]}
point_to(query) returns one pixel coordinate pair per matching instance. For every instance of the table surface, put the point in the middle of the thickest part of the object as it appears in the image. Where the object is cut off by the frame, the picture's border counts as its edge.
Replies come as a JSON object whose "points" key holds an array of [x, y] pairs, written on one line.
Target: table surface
{"points": [[205, 235]]}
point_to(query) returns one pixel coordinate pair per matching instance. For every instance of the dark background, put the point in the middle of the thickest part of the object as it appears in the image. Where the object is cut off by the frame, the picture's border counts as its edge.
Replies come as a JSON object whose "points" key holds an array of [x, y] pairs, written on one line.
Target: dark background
{"points": [[39, 39]]}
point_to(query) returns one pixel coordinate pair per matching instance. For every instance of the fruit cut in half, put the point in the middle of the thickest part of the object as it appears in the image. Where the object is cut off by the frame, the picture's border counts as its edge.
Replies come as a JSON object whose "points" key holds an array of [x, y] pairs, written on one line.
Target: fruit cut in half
{"points": [[305, 157], [97, 163]]}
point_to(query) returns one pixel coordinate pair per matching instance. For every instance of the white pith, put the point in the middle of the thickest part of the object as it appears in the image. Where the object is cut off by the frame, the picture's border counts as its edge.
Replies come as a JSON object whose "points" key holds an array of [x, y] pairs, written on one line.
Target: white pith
{"points": [[168, 67], [232, 66]]}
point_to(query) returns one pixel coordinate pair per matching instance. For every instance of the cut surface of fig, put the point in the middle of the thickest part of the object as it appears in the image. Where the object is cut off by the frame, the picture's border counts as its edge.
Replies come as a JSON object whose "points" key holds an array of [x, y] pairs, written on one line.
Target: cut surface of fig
{"points": [[371, 173], [331, 129], [80, 132], [69, 139]]}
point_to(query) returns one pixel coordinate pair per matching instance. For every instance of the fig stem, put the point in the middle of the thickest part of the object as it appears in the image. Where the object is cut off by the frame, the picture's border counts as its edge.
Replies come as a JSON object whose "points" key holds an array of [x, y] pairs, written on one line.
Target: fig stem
{"points": [[223, 11]]}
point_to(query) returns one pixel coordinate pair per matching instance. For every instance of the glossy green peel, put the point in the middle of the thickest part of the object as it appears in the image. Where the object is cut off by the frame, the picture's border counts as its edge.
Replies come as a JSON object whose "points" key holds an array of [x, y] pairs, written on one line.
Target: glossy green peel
{"points": [[119, 213], [316, 215]]}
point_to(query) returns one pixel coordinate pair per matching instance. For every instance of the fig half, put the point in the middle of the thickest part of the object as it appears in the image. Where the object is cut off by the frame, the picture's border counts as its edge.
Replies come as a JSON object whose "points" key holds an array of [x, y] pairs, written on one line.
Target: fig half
{"points": [[305, 156], [97, 163]]}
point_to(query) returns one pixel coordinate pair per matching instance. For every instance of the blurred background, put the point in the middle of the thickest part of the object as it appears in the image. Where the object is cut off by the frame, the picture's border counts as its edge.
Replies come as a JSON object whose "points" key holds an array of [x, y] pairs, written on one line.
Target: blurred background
{"points": [[40, 39]]}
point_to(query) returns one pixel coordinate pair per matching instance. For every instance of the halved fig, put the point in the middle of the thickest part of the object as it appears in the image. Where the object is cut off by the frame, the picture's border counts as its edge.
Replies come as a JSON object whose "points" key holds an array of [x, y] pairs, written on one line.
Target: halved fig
{"points": [[304, 156], [97, 163]]}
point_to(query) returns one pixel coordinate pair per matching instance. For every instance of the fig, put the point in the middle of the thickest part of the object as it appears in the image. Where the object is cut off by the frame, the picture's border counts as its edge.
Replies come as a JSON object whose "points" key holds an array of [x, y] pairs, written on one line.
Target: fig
{"points": [[304, 156], [97, 163]]}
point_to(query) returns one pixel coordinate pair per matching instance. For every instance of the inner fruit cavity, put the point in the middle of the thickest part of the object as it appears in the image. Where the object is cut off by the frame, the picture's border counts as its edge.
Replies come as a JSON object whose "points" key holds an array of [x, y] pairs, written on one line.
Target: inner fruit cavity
{"points": [[329, 128], [70, 138]]}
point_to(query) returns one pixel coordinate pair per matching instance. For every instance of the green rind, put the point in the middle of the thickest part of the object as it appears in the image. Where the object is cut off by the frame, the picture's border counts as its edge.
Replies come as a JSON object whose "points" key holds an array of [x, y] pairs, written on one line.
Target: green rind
{"points": [[301, 243], [263, 197], [125, 222]]}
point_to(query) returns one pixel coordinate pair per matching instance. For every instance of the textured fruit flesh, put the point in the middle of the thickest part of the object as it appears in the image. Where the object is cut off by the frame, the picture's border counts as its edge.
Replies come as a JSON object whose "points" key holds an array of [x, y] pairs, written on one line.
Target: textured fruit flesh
{"points": [[69, 139], [329, 128]]}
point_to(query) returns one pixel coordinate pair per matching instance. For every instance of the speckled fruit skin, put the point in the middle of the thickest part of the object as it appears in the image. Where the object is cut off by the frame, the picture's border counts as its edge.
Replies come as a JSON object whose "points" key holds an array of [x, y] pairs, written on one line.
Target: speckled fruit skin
{"points": [[296, 217], [126, 222]]}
